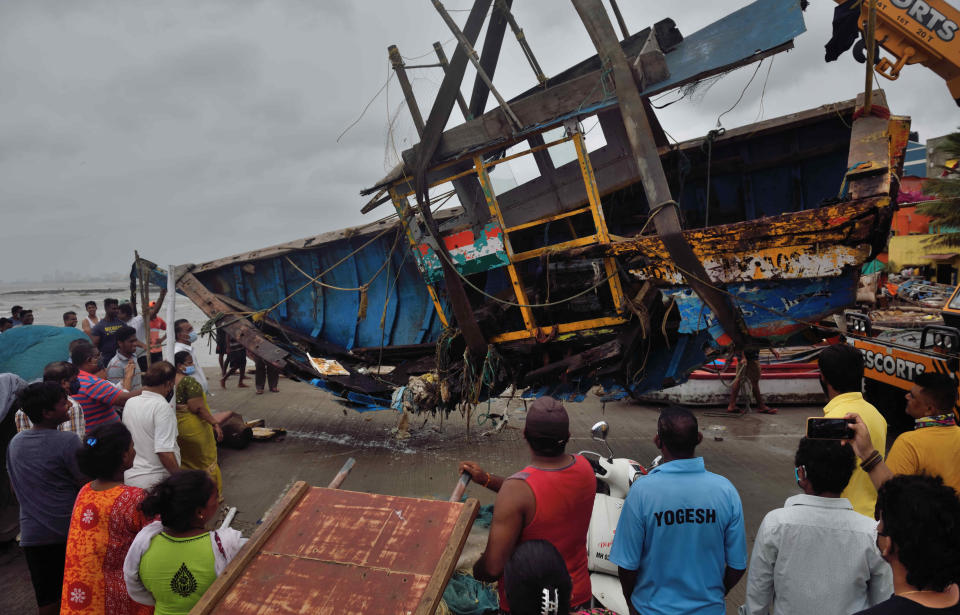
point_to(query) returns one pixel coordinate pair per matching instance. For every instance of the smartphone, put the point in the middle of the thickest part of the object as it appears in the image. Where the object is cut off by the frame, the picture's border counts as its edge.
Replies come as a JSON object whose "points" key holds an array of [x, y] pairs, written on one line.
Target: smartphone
{"points": [[819, 428]]}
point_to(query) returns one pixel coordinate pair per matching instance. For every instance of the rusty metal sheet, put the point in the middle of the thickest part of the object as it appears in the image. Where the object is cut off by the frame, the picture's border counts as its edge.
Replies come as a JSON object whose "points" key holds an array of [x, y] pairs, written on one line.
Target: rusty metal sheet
{"points": [[341, 552]]}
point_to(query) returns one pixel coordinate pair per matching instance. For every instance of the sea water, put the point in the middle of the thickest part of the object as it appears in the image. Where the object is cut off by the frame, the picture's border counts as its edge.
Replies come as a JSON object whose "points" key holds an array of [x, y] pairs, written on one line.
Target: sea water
{"points": [[49, 300]]}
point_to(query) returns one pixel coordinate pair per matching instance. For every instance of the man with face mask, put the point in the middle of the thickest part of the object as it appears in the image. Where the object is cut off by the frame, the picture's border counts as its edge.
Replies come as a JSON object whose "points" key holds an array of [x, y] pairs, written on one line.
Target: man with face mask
{"points": [[152, 422], [816, 554], [186, 336], [841, 373]]}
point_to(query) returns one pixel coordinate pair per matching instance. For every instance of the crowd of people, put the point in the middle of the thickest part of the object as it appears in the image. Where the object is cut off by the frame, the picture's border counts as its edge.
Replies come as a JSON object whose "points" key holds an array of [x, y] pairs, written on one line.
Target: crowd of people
{"points": [[115, 471], [869, 534]]}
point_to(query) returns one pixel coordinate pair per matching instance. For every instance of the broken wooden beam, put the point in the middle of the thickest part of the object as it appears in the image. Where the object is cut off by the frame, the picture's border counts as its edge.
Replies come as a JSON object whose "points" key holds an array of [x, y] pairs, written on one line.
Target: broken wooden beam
{"points": [[659, 199], [239, 327]]}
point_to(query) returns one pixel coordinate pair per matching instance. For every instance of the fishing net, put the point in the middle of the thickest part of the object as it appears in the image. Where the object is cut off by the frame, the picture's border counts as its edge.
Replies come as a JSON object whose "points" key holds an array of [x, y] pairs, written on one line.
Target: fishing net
{"points": [[465, 595]]}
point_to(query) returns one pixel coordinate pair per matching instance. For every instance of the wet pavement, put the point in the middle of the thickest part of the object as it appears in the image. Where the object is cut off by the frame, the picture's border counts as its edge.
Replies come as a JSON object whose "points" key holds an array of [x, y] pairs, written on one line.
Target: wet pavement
{"points": [[755, 453]]}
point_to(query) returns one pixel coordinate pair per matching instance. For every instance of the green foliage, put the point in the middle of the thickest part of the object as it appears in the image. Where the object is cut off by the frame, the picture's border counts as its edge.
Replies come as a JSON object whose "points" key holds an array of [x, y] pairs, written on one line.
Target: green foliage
{"points": [[945, 210]]}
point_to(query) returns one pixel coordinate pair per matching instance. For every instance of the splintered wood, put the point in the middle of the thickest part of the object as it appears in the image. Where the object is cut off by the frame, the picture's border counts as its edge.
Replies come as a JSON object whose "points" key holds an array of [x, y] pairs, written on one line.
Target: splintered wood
{"points": [[342, 552]]}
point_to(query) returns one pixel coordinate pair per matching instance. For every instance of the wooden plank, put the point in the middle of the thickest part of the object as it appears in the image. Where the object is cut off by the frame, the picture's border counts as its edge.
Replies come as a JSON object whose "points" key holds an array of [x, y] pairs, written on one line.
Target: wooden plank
{"points": [[347, 552], [249, 551], [492, 43], [741, 38], [239, 327], [448, 561]]}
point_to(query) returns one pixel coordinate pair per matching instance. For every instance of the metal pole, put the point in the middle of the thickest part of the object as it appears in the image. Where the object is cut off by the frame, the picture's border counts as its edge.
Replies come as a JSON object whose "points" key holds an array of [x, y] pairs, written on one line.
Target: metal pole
{"points": [[472, 55], [444, 63], [398, 67], [870, 35], [171, 312], [522, 39]]}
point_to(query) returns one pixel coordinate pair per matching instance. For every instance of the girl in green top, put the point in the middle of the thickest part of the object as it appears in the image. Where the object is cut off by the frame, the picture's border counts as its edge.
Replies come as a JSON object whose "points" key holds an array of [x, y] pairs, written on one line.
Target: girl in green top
{"points": [[173, 561]]}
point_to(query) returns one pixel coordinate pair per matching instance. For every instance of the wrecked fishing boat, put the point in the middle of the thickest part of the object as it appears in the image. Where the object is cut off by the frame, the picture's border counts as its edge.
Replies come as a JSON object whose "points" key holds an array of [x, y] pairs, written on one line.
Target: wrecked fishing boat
{"points": [[625, 265]]}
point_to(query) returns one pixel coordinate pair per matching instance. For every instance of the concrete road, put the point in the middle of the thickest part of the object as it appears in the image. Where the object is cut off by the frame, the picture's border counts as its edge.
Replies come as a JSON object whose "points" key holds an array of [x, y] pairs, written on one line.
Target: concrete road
{"points": [[756, 454]]}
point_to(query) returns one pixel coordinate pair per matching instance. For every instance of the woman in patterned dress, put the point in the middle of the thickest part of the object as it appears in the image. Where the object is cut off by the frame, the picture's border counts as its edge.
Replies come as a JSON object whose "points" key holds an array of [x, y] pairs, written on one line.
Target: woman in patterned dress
{"points": [[198, 431], [106, 518]]}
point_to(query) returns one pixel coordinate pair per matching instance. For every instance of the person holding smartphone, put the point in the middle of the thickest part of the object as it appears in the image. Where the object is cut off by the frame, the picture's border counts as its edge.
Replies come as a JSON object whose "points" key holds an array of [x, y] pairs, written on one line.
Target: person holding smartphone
{"points": [[841, 374], [816, 554]]}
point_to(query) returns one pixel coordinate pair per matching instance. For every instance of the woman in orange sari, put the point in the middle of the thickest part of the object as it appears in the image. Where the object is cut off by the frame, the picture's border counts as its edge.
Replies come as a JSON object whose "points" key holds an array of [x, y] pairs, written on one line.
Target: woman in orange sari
{"points": [[106, 518]]}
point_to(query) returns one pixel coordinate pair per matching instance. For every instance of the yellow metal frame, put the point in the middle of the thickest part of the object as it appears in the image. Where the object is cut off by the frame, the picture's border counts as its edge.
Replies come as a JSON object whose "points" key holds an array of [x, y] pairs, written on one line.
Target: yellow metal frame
{"points": [[596, 208], [601, 236], [403, 207], [494, 207], [567, 327]]}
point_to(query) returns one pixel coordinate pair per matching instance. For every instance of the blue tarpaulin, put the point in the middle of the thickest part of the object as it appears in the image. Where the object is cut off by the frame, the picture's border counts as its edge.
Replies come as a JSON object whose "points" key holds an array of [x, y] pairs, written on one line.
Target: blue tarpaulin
{"points": [[26, 350]]}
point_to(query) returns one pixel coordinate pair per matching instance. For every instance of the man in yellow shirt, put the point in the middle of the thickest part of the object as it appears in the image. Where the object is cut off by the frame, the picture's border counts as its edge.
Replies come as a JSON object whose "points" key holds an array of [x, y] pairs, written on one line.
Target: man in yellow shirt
{"points": [[841, 374], [933, 447]]}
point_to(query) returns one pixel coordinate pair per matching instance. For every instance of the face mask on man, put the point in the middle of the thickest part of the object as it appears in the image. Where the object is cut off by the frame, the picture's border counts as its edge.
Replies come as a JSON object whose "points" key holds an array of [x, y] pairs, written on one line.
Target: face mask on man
{"points": [[189, 370], [192, 337]]}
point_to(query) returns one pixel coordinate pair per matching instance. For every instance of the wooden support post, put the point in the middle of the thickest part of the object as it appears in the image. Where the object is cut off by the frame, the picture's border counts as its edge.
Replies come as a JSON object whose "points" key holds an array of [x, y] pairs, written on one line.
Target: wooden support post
{"points": [[471, 53], [667, 222], [439, 114], [492, 43], [143, 274], [464, 109], [870, 35], [398, 67], [342, 474]]}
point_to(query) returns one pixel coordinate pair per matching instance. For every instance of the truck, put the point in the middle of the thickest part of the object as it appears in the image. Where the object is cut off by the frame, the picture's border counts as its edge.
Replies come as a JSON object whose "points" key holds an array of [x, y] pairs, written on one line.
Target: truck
{"points": [[894, 357]]}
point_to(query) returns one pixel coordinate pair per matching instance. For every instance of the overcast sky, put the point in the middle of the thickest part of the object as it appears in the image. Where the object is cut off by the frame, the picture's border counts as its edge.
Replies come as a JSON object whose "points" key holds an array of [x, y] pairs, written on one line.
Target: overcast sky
{"points": [[191, 130]]}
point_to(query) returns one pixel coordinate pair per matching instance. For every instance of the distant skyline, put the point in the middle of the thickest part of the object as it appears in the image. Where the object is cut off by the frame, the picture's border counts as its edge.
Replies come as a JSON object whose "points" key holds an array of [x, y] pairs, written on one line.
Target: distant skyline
{"points": [[196, 129]]}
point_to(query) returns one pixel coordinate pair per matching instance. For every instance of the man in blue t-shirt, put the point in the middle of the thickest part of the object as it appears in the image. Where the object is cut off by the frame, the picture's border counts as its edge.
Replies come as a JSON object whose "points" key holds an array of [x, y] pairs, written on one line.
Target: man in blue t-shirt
{"points": [[104, 333], [680, 543]]}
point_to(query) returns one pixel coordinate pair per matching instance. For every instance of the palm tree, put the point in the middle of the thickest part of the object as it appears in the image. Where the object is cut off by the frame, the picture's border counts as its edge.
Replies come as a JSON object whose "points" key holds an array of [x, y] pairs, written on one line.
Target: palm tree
{"points": [[945, 210]]}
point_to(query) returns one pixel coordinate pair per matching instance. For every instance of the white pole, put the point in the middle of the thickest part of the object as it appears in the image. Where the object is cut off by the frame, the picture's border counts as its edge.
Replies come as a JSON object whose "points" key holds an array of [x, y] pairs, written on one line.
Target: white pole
{"points": [[171, 312]]}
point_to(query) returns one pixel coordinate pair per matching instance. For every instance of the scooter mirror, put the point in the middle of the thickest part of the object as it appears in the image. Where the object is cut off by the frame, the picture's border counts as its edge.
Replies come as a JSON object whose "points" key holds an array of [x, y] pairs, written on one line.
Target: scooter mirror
{"points": [[599, 431]]}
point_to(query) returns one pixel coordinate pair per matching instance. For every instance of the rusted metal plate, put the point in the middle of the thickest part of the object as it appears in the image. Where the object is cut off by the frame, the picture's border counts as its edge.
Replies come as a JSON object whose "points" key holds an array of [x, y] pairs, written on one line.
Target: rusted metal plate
{"points": [[787, 263], [342, 552]]}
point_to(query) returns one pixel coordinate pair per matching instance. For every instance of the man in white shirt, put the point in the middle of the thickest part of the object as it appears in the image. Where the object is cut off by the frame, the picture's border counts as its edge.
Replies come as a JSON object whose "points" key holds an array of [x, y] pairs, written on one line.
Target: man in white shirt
{"points": [[126, 354], [817, 554], [185, 337], [152, 422]]}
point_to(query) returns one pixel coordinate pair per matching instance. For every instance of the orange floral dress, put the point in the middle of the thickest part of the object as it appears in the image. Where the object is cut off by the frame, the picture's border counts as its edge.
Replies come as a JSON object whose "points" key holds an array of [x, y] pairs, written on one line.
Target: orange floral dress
{"points": [[102, 526]]}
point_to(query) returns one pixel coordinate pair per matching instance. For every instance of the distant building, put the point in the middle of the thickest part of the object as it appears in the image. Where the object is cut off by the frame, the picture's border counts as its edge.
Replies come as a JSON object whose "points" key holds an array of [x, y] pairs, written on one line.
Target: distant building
{"points": [[910, 243]]}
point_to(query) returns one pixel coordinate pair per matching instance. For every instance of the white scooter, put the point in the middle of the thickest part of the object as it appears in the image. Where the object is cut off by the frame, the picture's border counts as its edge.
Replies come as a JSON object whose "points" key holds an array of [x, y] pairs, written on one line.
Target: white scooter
{"points": [[614, 477]]}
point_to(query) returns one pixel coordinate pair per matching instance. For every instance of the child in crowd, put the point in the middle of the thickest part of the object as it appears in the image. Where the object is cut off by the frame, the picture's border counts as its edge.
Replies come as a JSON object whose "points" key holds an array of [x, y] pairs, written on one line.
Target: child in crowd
{"points": [[173, 561], [43, 471]]}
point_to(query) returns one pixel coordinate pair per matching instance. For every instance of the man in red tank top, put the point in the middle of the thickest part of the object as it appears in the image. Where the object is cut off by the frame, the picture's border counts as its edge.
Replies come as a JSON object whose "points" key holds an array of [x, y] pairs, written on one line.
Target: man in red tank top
{"points": [[550, 499]]}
